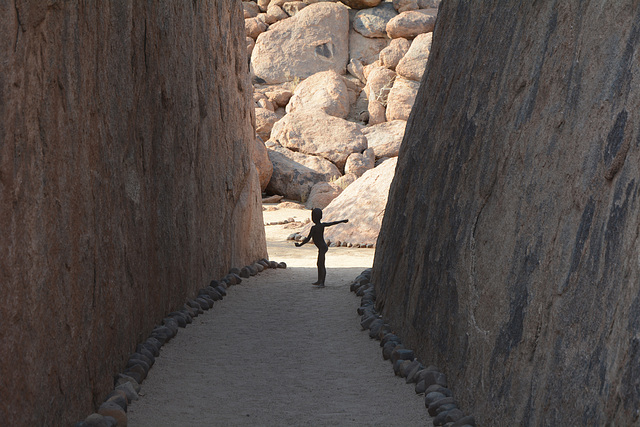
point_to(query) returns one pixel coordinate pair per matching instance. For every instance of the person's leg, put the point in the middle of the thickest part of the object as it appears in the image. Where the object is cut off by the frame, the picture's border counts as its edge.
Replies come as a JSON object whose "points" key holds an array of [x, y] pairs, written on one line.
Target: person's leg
{"points": [[322, 271]]}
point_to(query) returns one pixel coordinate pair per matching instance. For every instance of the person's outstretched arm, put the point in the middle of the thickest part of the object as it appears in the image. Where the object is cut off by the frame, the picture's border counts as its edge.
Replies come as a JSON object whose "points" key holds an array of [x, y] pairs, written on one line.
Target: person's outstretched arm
{"points": [[306, 239], [329, 224]]}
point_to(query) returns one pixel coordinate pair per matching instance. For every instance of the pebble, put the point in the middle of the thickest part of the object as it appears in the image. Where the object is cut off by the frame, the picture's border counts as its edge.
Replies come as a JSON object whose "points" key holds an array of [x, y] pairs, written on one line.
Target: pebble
{"points": [[435, 404], [234, 270], [465, 421], [412, 375], [438, 388], [366, 322], [111, 409], [434, 377], [389, 337], [384, 330], [259, 267], [252, 270], [119, 400], [155, 343], [388, 349], [402, 354], [230, 279], [238, 278], [97, 420], [136, 372], [273, 264], [221, 290], [407, 368], [214, 284], [149, 347], [131, 393], [432, 396], [282, 265], [123, 379], [420, 387], [172, 325], [131, 362], [179, 317], [144, 357], [454, 415], [402, 366], [244, 273], [374, 328]]}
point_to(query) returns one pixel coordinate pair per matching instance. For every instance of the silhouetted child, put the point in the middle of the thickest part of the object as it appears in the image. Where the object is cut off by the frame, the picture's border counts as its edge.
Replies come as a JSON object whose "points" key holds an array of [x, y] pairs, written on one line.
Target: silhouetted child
{"points": [[317, 234]]}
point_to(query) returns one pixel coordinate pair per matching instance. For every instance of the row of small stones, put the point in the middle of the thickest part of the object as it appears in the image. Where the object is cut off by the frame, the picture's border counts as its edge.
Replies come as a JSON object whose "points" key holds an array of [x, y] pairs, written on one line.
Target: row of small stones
{"points": [[298, 237], [287, 221], [113, 412], [428, 380]]}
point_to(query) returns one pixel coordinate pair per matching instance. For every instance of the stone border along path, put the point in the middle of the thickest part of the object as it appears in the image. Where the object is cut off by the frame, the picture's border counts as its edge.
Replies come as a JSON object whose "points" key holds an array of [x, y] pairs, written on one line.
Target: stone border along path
{"points": [[277, 352]]}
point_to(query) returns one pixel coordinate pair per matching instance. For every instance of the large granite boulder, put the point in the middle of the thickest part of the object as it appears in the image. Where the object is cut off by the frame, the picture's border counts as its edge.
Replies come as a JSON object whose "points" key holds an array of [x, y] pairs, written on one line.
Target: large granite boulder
{"points": [[316, 133], [126, 184], [315, 39], [509, 250], [385, 138], [294, 174], [365, 49], [401, 98], [414, 62], [324, 91], [411, 23], [373, 22], [363, 203]]}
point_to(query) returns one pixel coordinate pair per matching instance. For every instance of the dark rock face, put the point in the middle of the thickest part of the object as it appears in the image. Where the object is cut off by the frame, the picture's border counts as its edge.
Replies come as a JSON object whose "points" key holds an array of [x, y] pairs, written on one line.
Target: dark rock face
{"points": [[509, 252], [125, 184]]}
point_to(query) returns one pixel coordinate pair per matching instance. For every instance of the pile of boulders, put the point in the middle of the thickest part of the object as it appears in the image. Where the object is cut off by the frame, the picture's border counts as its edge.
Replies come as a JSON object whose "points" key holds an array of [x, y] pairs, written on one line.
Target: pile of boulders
{"points": [[113, 411], [428, 380], [334, 83]]}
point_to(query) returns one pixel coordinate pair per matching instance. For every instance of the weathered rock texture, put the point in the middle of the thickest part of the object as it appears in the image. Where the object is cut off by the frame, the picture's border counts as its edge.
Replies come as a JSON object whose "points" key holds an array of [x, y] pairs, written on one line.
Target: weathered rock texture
{"points": [[125, 184], [509, 249]]}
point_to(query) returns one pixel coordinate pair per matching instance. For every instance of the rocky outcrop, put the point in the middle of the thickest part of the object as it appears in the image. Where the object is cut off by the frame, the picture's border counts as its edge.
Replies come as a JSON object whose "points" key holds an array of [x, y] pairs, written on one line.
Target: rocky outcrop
{"points": [[307, 107], [509, 249], [315, 39], [125, 185]]}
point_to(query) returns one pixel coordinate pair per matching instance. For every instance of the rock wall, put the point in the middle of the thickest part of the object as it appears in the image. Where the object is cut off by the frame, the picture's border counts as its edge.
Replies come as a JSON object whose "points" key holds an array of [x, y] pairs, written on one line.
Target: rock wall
{"points": [[509, 253], [125, 184]]}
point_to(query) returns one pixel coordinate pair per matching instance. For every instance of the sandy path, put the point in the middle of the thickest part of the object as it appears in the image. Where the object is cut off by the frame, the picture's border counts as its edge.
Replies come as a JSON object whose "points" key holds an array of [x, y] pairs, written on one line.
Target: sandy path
{"points": [[277, 352]]}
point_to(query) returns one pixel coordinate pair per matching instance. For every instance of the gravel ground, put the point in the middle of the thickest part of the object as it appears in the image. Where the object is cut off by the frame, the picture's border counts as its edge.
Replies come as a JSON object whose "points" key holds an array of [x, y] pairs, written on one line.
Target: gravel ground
{"points": [[278, 352]]}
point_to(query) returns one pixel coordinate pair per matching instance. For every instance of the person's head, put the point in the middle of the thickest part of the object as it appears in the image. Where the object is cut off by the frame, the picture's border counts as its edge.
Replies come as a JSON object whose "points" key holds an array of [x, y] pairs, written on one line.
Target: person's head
{"points": [[316, 215]]}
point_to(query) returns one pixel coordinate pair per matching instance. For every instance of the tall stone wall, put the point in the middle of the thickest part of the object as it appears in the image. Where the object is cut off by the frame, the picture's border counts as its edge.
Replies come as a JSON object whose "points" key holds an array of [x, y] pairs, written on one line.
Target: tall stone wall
{"points": [[509, 254], [125, 185]]}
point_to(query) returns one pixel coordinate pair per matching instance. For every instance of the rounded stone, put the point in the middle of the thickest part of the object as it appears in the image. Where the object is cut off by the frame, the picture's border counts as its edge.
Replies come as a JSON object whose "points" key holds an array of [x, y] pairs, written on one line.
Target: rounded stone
{"points": [[375, 328], [402, 354], [431, 397], [234, 270], [119, 400], [111, 409], [282, 265], [434, 405], [465, 421], [128, 389], [434, 377], [123, 379], [366, 322], [420, 387]]}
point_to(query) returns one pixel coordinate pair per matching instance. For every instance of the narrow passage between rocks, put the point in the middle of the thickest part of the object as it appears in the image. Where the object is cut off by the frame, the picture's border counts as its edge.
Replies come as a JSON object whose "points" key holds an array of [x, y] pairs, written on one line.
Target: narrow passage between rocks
{"points": [[279, 352]]}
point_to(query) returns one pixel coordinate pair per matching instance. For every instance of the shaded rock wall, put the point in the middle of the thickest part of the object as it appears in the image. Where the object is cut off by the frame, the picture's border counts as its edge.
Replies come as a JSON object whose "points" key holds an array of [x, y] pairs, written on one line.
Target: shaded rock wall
{"points": [[509, 252], [125, 184]]}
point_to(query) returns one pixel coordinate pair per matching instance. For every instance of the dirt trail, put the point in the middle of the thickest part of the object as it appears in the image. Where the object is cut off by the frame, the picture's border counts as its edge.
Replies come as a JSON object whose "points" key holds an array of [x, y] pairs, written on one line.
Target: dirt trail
{"points": [[277, 352]]}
